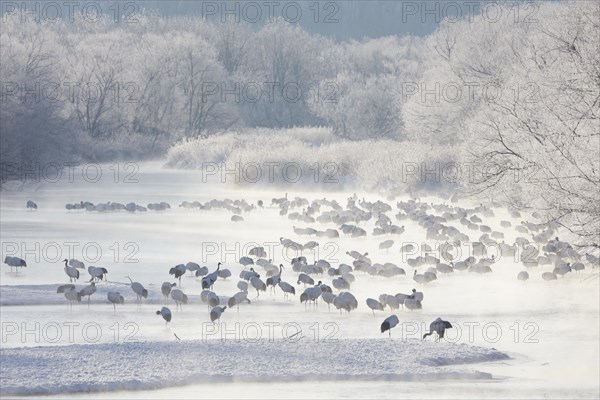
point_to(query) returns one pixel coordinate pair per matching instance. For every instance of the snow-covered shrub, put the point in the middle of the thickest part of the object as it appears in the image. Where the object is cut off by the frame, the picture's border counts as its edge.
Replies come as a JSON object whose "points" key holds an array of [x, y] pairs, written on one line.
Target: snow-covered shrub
{"points": [[322, 158]]}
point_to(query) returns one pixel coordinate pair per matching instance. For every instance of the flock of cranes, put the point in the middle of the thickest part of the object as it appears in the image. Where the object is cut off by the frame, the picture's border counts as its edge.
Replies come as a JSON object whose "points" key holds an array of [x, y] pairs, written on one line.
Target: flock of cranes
{"points": [[440, 224], [110, 206]]}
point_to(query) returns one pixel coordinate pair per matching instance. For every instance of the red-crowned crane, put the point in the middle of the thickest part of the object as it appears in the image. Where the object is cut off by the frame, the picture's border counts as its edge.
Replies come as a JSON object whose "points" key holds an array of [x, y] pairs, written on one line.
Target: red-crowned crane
{"points": [[88, 291], [165, 313], [139, 290], [438, 326], [374, 305], [209, 280], [71, 272], [115, 298], [215, 313], [166, 288], [389, 323]]}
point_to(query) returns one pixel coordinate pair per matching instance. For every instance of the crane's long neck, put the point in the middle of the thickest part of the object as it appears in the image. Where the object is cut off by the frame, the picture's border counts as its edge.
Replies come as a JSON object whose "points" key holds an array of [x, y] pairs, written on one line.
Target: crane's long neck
{"points": [[66, 265]]}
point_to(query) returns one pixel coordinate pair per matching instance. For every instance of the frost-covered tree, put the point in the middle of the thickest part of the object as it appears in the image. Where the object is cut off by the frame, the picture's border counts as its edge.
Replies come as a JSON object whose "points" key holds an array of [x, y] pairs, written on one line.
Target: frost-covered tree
{"points": [[96, 81], [280, 74], [362, 108], [200, 79], [518, 99], [231, 41], [33, 126], [154, 109], [541, 147], [365, 99]]}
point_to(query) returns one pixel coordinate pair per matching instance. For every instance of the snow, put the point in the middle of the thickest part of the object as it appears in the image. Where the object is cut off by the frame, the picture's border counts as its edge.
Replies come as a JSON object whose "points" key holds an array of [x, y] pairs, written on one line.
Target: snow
{"points": [[19, 295], [145, 365]]}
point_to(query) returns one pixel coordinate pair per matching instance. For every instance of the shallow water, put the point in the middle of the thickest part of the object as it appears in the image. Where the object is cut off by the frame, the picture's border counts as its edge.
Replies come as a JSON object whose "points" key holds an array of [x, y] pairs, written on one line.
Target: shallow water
{"points": [[550, 329]]}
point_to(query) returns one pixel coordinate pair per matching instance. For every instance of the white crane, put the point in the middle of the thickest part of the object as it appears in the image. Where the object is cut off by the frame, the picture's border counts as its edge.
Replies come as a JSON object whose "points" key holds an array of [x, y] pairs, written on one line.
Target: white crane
{"points": [[562, 269], [258, 284], [115, 298], [209, 280], [202, 271], [237, 299], [345, 301], [258, 252], [386, 244], [412, 304], [389, 323], [328, 298], [578, 266], [311, 294], [97, 273], [523, 276], [416, 295], [212, 299], [71, 272], [204, 296], [444, 268], [357, 256], [374, 305], [439, 326], [178, 271], [243, 286], [63, 288], [286, 288], [179, 297], [310, 245], [325, 288], [390, 301], [166, 288], [419, 278], [549, 276], [340, 284], [246, 261], [401, 297], [165, 313], [139, 290], [247, 275], [76, 263], [88, 291], [275, 279], [224, 273], [215, 313], [71, 294], [348, 277], [305, 279], [14, 262], [192, 267]]}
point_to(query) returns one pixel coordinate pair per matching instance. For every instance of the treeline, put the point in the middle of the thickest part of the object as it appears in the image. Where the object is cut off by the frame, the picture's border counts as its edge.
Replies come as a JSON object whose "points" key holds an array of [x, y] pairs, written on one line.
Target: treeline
{"points": [[67, 86], [514, 95]]}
